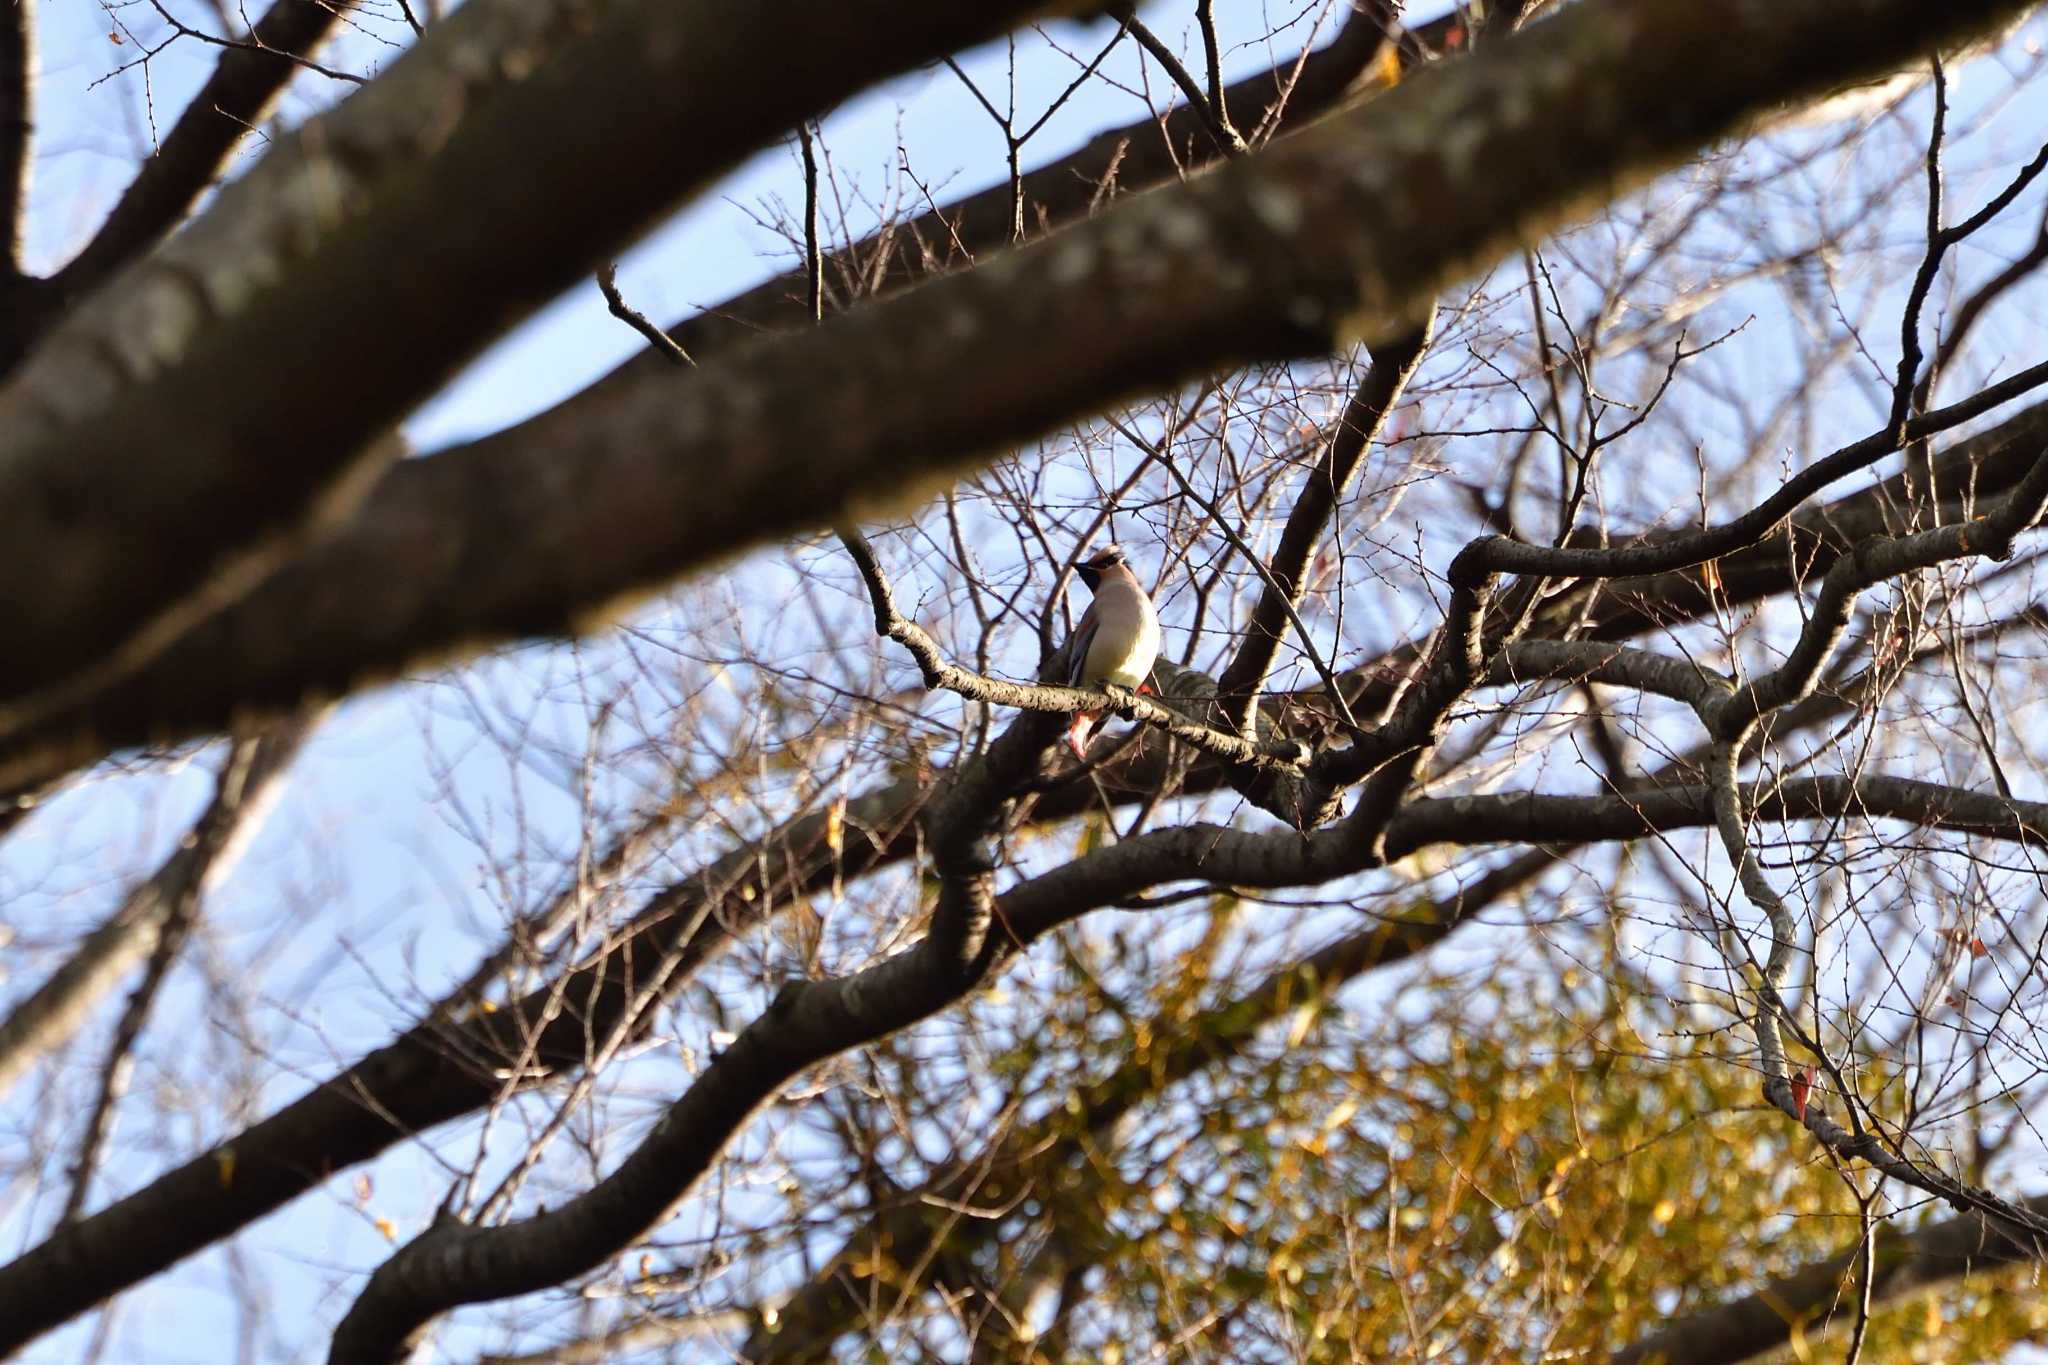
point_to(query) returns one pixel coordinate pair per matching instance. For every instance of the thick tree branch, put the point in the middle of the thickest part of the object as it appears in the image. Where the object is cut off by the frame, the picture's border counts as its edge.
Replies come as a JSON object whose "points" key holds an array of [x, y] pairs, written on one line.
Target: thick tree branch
{"points": [[1139, 156], [360, 227], [17, 134], [1539, 818], [1808, 1303], [1348, 229]]}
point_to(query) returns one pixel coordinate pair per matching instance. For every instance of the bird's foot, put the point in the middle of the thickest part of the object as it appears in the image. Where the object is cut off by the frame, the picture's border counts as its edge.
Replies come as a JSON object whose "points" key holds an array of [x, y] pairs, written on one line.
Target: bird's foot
{"points": [[1078, 732]]}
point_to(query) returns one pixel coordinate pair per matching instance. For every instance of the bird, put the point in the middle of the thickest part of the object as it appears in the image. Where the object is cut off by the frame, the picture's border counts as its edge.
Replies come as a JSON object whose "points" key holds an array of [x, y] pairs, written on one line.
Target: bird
{"points": [[1117, 641]]}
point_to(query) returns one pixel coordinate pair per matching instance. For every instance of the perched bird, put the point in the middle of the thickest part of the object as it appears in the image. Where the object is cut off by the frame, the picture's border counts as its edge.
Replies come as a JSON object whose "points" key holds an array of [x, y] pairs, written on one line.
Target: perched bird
{"points": [[1117, 640]]}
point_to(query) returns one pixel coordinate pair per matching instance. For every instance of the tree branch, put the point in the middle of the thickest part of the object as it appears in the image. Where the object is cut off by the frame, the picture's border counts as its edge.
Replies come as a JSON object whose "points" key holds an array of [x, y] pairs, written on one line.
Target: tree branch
{"points": [[17, 133], [1228, 139], [1804, 1303], [48, 1017], [1319, 238], [244, 87], [1665, 554], [359, 227], [1364, 416]]}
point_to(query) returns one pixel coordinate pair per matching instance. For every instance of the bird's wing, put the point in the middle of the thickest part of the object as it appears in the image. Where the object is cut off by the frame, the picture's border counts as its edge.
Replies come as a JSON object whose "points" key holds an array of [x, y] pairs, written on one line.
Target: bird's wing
{"points": [[1077, 648]]}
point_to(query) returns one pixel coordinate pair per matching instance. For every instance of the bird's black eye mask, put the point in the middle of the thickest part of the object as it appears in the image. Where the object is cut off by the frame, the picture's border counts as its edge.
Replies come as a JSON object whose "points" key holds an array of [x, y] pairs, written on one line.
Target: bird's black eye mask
{"points": [[1090, 570]]}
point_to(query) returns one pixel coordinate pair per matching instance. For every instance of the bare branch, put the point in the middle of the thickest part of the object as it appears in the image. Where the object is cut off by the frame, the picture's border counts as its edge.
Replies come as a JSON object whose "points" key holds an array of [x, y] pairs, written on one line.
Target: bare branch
{"points": [[1344, 450], [1664, 554], [152, 914], [238, 96], [608, 285], [1213, 118]]}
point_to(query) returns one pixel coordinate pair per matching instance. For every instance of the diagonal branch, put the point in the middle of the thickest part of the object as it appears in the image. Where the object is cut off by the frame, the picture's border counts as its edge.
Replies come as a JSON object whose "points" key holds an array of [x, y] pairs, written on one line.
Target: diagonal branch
{"points": [[1287, 576], [192, 157], [1227, 138], [1668, 553], [1805, 1304], [1319, 238], [360, 227]]}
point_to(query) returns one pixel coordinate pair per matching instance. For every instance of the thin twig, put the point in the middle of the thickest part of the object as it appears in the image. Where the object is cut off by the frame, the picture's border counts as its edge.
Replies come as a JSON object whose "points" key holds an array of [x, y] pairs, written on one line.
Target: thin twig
{"points": [[1227, 137], [814, 260], [1280, 595], [608, 284]]}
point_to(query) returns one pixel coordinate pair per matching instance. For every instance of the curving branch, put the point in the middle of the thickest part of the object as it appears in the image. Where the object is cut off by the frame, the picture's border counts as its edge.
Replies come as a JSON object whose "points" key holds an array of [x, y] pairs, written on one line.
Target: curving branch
{"points": [[1807, 1303], [1504, 554], [1871, 561]]}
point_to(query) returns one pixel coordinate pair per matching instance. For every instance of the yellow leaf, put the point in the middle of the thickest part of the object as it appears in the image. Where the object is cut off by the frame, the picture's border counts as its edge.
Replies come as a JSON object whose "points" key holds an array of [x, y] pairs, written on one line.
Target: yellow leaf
{"points": [[1386, 66], [388, 1228], [1340, 1116]]}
